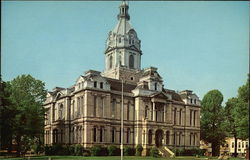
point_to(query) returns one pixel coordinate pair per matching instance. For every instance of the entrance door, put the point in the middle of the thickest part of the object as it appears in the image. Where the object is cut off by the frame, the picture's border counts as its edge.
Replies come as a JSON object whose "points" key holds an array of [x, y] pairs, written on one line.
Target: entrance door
{"points": [[158, 137]]}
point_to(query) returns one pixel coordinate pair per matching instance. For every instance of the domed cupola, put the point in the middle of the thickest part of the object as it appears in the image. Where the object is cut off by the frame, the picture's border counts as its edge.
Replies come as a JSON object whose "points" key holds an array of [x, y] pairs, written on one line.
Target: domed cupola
{"points": [[123, 47]]}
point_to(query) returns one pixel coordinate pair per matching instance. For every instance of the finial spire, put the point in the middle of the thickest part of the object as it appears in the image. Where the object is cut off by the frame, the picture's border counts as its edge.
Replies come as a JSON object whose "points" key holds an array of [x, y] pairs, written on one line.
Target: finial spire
{"points": [[123, 11]]}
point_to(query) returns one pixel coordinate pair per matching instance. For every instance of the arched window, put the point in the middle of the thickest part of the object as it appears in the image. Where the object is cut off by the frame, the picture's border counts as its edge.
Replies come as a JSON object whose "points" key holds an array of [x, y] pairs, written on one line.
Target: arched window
{"points": [[155, 85], [150, 137], [110, 61], [131, 61]]}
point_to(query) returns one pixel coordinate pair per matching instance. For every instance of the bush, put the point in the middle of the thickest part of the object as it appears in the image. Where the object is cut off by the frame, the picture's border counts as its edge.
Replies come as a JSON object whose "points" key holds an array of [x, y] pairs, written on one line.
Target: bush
{"points": [[99, 151], [113, 151], [128, 151], [138, 150], [154, 152], [38, 148], [78, 150], [48, 150], [71, 149]]}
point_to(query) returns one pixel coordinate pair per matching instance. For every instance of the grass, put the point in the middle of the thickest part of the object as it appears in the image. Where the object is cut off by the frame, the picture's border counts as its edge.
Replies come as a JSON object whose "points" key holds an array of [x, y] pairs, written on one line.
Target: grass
{"points": [[113, 158]]}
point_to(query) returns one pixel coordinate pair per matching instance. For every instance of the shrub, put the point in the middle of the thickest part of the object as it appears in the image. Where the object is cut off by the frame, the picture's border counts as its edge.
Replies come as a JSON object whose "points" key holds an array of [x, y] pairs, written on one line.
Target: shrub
{"points": [[113, 151], [154, 152], [138, 150], [128, 151], [48, 150], [38, 148], [71, 149], [78, 150], [99, 151]]}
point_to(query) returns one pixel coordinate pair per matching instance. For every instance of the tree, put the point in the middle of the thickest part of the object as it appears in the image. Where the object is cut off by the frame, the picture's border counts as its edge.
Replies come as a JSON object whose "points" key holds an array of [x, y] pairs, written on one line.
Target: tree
{"points": [[242, 111], [27, 95], [7, 114], [237, 115], [230, 121], [212, 129]]}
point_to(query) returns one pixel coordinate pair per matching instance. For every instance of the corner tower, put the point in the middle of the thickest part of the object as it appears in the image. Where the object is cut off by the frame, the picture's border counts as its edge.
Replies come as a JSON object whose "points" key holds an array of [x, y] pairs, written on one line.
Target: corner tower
{"points": [[123, 47]]}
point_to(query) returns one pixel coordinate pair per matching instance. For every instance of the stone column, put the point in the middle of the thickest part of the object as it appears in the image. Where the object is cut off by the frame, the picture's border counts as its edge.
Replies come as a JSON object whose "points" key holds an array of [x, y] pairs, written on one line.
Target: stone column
{"points": [[154, 112]]}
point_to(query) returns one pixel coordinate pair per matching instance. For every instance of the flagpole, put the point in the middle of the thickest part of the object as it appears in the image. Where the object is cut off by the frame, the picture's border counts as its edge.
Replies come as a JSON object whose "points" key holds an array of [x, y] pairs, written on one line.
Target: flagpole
{"points": [[122, 124]]}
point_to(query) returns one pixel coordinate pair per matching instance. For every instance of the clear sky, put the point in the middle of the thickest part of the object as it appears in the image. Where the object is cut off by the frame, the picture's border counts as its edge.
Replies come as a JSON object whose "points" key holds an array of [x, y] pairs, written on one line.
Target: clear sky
{"points": [[197, 45]]}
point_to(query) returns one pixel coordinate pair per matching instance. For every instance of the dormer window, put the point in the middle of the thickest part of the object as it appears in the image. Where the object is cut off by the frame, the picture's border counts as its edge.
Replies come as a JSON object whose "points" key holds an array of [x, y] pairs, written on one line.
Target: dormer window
{"points": [[101, 85], [95, 84], [156, 86], [194, 101], [191, 101]]}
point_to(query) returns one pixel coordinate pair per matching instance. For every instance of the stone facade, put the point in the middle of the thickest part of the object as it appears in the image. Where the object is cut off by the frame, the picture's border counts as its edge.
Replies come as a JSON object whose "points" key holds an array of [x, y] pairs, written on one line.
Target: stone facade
{"points": [[89, 112]]}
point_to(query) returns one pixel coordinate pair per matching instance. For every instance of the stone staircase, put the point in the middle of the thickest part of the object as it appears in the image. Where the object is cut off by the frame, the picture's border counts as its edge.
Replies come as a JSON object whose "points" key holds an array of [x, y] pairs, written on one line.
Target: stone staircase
{"points": [[165, 151]]}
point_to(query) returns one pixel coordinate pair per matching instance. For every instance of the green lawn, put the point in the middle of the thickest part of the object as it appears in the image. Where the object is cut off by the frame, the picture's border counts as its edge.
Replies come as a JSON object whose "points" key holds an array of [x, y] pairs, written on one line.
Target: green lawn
{"points": [[113, 158]]}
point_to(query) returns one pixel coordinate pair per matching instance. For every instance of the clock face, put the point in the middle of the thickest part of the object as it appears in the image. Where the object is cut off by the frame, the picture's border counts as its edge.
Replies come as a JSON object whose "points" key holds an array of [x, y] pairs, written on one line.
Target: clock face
{"points": [[132, 36]]}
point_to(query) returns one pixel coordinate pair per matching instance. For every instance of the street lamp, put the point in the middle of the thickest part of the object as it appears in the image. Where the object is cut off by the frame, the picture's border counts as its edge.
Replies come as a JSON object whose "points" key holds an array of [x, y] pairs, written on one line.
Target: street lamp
{"points": [[122, 124]]}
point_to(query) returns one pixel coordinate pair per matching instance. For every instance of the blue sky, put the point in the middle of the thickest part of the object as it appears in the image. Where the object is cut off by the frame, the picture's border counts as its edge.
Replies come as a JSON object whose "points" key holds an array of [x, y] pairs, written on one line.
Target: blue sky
{"points": [[197, 45]]}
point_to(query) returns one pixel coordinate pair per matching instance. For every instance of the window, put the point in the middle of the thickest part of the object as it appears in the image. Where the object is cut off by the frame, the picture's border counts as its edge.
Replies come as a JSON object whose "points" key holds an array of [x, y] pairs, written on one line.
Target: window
{"points": [[156, 86], [128, 135], [101, 134], [113, 107], [191, 101], [194, 139], [190, 139], [239, 144], [95, 84], [175, 110], [113, 135], [94, 109], [167, 137], [191, 113], [194, 101], [101, 85], [120, 40], [94, 134], [61, 111], [128, 107], [110, 62], [242, 144], [55, 136], [174, 138], [246, 144], [194, 117], [232, 144], [180, 116], [131, 61], [180, 138], [103, 108], [150, 137], [146, 112]]}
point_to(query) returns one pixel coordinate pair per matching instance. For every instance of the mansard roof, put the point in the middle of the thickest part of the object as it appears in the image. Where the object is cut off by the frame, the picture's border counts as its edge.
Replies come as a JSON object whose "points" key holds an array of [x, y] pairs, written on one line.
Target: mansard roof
{"points": [[116, 85], [175, 96]]}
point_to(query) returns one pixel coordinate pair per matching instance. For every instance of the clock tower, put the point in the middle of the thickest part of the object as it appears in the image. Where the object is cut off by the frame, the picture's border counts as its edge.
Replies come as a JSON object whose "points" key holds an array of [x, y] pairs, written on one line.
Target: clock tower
{"points": [[123, 47]]}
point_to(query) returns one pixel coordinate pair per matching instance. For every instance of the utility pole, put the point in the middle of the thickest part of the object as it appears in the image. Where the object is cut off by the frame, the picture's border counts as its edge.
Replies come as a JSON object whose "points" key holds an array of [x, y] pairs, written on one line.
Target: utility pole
{"points": [[122, 124]]}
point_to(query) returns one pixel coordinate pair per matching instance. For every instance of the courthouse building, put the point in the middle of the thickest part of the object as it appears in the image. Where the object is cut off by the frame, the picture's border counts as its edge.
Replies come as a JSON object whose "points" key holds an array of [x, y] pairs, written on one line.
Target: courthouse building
{"points": [[89, 112]]}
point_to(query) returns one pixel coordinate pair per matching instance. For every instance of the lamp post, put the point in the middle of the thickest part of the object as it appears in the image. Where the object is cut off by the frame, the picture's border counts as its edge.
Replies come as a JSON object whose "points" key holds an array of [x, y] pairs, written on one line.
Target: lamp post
{"points": [[122, 124]]}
